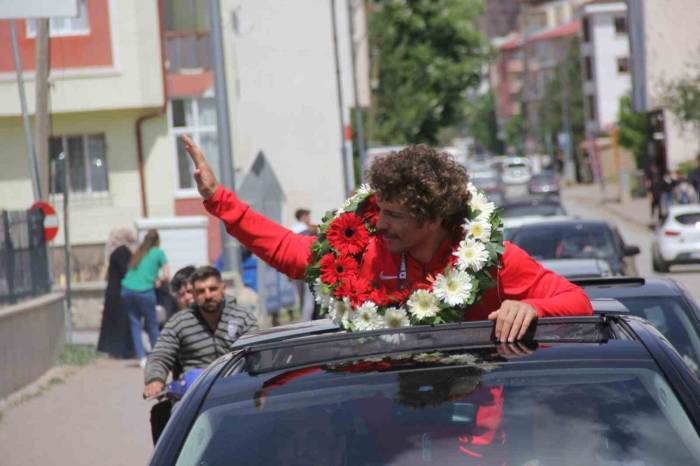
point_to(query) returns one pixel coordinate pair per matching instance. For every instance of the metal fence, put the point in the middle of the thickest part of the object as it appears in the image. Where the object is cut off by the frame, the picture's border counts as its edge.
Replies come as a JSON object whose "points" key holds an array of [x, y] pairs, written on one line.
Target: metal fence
{"points": [[24, 270]]}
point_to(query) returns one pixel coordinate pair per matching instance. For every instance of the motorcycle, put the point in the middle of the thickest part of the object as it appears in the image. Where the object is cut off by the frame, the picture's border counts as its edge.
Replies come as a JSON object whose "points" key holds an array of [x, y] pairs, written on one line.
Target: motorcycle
{"points": [[174, 392]]}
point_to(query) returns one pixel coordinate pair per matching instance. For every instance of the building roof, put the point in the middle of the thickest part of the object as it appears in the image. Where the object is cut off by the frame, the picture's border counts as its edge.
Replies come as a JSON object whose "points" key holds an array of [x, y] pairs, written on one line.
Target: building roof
{"points": [[559, 32], [513, 43]]}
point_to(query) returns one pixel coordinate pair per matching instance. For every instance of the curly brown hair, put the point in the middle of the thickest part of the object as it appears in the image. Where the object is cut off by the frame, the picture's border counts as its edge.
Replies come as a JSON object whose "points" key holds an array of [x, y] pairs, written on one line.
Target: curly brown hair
{"points": [[427, 182]]}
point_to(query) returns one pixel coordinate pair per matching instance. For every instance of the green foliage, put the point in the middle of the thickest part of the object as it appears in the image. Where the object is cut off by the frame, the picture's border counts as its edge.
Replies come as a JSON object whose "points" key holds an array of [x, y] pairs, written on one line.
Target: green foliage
{"points": [[482, 123], [426, 55], [551, 111], [633, 130], [682, 97], [515, 133], [77, 355]]}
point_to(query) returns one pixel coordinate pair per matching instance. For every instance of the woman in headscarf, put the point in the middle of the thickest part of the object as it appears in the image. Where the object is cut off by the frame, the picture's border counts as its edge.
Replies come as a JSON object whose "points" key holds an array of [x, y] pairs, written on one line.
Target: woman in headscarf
{"points": [[115, 334]]}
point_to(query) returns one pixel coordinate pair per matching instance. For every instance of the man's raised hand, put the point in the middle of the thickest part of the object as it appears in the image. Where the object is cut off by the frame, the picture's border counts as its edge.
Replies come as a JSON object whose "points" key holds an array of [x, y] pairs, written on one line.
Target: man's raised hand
{"points": [[203, 174]]}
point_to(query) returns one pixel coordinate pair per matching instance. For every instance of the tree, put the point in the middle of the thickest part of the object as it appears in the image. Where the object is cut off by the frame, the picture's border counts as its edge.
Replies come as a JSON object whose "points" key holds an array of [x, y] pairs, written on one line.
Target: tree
{"points": [[682, 97], [426, 55], [482, 123], [633, 130], [515, 133], [551, 121]]}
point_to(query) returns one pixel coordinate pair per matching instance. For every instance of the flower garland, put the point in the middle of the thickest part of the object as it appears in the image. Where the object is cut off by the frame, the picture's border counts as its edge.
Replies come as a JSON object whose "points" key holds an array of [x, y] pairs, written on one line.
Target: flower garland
{"points": [[352, 302]]}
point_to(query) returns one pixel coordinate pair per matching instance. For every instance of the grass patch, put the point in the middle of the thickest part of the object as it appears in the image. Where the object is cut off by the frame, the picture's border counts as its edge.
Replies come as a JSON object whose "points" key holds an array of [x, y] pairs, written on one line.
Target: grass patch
{"points": [[77, 355], [56, 381]]}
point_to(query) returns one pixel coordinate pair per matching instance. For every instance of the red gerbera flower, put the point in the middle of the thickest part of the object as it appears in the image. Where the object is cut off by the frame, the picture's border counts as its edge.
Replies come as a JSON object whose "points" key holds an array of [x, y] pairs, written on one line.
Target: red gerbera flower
{"points": [[347, 234], [370, 210], [354, 287], [334, 269]]}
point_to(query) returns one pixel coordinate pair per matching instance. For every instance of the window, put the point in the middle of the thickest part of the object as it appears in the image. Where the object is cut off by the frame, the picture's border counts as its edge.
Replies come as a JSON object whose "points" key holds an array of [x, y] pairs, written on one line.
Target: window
{"points": [[85, 157], [620, 25], [623, 65], [197, 118], [588, 61], [586, 29], [78, 26], [591, 107]]}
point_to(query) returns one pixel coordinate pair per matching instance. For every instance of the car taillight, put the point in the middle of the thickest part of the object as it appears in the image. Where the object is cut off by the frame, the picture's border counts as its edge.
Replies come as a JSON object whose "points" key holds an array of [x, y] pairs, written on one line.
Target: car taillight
{"points": [[672, 233]]}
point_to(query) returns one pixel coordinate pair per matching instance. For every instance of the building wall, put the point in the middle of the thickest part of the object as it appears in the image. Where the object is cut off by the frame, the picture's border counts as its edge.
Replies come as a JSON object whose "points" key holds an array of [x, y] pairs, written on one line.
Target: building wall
{"points": [[121, 74], [672, 48], [97, 213], [609, 85], [281, 72]]}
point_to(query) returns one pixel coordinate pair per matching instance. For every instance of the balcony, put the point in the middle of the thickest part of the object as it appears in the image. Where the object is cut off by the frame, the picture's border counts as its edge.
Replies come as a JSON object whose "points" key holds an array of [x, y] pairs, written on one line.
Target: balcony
{"points": [[187, 51]]}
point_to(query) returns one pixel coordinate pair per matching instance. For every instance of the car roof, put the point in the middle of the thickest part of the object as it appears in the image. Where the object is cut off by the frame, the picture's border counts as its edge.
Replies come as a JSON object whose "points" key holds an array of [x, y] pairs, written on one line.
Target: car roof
{"points": [[566, 224], [629, 287]]}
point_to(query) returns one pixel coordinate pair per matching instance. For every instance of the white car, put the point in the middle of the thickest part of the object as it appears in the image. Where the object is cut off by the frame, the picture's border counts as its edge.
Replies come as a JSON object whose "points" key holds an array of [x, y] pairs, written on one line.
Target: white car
{"points": [[516, 170], [677, 240]]}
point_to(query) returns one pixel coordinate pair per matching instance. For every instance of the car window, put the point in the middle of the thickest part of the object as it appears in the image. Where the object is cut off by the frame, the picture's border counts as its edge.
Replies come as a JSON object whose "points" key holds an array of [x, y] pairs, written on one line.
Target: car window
{"points": [[689, 219], [542, 209], [672, 318], [566, 243], [369, 413]]}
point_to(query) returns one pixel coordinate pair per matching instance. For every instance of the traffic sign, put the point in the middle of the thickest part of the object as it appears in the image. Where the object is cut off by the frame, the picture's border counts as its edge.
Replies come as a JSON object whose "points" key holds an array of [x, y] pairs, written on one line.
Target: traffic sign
{"points": [[50, 219]]}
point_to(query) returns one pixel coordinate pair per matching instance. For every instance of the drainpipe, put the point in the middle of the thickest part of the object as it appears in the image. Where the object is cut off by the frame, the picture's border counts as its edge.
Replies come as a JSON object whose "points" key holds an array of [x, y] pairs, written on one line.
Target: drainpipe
{"points": [[159, 112]]}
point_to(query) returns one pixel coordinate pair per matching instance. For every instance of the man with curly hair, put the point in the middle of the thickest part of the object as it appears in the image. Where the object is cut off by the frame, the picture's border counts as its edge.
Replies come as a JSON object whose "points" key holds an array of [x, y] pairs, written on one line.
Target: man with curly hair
{"points": [[422, 197]]}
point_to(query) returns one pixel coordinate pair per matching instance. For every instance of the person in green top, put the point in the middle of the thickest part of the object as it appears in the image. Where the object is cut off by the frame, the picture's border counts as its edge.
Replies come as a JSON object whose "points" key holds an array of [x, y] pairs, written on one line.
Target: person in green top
{"points": [[147, 267]]}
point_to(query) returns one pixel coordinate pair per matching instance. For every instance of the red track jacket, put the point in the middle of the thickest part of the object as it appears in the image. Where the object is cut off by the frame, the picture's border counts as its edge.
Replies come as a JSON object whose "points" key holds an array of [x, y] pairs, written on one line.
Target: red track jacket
{"points": [[519, 277]]}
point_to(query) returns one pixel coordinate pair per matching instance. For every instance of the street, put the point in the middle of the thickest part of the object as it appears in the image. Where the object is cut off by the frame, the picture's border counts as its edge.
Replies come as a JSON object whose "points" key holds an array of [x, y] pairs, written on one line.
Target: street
{"points": [[97, 415]]}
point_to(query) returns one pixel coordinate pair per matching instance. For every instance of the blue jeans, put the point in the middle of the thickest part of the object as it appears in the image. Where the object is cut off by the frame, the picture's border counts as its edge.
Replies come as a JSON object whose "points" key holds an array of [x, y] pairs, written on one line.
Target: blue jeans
{"points": [[141, 304]]}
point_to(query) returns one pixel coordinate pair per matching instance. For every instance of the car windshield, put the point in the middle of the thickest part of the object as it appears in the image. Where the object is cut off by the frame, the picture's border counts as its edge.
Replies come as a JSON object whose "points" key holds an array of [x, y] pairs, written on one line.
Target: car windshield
{"points": [[566, 242], [448, 408], [543, 209], [672, 317]]}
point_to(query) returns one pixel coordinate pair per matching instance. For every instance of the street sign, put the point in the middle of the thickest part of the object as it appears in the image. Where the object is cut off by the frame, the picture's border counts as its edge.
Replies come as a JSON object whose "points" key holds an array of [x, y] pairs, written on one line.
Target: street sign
{"points": [[50, 219]]}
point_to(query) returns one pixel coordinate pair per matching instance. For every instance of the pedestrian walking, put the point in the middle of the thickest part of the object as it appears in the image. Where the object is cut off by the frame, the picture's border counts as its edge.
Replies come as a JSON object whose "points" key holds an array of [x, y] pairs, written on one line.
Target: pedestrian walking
{"points": [[694, 175], [683, 191], [655, 187], [147, 267], [115, 334]]}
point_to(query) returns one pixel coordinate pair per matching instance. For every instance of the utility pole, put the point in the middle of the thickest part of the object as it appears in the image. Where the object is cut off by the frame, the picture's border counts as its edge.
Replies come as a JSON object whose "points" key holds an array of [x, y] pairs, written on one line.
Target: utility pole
{"points": [[359, 124], [341, 107], [566, 120], [228, 244], [41, 113], [31, 154]]}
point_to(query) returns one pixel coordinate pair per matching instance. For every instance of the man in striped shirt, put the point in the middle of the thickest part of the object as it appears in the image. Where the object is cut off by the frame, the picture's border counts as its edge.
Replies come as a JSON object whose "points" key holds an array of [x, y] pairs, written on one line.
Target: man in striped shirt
{"points": [[195, 337]]}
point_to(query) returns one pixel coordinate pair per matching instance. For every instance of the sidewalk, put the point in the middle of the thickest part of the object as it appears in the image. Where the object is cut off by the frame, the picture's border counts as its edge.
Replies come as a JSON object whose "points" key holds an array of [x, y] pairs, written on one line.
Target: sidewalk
{"points": [[636, 210]]}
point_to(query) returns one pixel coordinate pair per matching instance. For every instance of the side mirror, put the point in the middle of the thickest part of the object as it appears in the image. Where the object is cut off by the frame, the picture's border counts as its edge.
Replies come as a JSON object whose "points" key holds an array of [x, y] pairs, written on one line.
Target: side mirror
{"points": [[631, 250]]}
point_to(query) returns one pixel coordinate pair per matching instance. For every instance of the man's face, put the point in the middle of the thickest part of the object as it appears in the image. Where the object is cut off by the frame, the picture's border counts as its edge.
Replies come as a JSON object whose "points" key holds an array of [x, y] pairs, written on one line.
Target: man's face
{"points": [[209, 294], [399, 229], [184, 296], [305, 219]]}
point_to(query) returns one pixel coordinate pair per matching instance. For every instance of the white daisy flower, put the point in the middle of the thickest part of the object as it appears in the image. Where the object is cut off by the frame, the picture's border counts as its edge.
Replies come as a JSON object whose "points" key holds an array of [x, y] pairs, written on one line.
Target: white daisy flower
{"points": [[480, 202], [453, 288], [395, 318], [341, 313], [428, 357], [364, 190], [366, 317], [471, 254], [472, 189], [320, 295], [423, 304], [479, 229], [462, 359]]}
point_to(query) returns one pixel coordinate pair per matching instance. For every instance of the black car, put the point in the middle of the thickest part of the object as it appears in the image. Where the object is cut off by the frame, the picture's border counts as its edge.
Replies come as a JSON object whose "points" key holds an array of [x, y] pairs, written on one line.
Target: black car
{"points": [[661, 301], [605, 389], [577, 239]]}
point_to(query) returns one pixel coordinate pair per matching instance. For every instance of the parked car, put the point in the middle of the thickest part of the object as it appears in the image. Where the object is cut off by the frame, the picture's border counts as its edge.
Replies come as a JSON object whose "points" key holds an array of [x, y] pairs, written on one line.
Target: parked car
{"points": [[605, 389], [522, 211], [489, 181], [578, 268], [677, 240], [516, 170], [574, 239], [661, 301], [546, 182]]}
